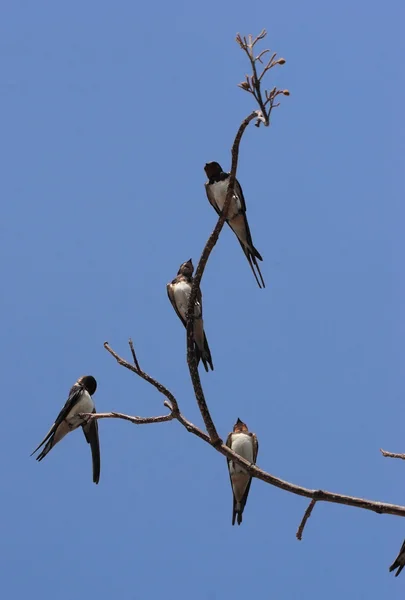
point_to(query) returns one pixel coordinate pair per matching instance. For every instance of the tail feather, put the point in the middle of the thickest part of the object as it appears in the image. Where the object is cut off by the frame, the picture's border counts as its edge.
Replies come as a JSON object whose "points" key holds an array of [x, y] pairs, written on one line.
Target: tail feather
{"points": [[253, 264], [90, 431], [204, 356], [237, 512], [197, 353], [47, 449], [396, 565], [50, 434], [237, 516], [256, 253]]}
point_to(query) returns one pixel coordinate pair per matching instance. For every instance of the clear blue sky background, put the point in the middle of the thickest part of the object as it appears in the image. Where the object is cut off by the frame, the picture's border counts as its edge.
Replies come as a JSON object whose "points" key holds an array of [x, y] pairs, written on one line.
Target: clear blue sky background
{"points": [[109, 112]]}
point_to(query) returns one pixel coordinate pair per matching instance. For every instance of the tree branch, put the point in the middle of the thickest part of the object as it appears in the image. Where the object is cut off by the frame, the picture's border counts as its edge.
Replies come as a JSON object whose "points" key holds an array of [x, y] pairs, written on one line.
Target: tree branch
{"points": [[305, 518], [254, 470], [212, 240], [252, 83], [262, 115], [138, 371], [392, 454], [136, 420]]}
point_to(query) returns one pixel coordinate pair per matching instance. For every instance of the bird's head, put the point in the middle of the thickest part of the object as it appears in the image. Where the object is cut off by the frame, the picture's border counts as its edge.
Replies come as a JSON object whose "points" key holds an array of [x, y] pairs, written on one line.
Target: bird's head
{"points": [[186, 268], [212, 169], [240, 427], [89, 383]]}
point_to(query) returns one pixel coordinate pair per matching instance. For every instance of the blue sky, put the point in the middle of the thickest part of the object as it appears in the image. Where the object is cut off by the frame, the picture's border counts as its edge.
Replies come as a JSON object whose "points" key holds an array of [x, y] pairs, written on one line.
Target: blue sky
{"points": [[109, 112]]}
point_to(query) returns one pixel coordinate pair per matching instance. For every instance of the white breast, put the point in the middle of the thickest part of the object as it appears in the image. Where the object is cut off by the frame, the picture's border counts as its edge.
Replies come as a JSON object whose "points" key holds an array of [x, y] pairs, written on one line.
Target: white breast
{"points": [[219, 190], [182, 291], [242, 444], [85, 405]]}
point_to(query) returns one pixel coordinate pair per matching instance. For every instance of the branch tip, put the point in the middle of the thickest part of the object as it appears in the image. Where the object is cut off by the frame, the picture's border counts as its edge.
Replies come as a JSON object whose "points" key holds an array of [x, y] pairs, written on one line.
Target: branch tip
{"points": [[305, 518], [392, 454]]}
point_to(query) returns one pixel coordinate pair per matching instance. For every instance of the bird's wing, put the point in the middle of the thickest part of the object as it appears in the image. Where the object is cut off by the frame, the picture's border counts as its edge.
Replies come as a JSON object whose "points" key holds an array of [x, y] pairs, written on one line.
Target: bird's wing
{"points": [[74, 397], [170, 293], [211, 198]]}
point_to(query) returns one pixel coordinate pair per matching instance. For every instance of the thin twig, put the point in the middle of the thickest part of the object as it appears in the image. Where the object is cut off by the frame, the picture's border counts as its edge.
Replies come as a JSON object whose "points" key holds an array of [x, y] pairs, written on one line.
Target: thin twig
{"points": [[135, 420], [392, 454], [138, 371], [131, 346], [305, 518], [252, 84]]}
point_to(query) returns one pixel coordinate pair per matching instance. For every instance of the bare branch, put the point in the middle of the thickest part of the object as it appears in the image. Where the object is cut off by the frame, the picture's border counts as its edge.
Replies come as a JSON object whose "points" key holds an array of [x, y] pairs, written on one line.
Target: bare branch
{"points": [[212, 240], [253, 83], [392, 454], [131, 346], [136, 420], [138, 371], [305, 518], [318, 495], [253, 470]]}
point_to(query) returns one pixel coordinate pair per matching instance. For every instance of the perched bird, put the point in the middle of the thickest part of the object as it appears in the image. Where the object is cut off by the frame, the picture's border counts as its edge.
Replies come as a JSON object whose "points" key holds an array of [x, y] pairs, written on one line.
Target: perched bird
{"points": [[179, 291], [79, 401], [216, 188], [399, 562], [244, 443]]}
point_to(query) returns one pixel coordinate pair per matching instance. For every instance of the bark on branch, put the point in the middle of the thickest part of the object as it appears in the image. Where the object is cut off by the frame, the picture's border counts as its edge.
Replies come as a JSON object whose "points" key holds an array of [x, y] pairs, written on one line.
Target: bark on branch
{"points": [[305, 518], [132, 419], [392, 454]]}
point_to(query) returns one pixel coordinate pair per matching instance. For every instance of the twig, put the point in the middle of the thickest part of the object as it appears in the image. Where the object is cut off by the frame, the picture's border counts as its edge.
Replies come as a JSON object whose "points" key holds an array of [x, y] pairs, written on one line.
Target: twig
{"points": [[252, 84], [138, 371], [135, 420], [392, 454], [305, 518], [131, 346]]}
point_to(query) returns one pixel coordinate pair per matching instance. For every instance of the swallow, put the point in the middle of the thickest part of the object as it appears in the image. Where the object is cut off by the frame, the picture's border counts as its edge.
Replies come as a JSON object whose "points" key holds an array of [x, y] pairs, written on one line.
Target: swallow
{"points": [[79, 401], [399, 562], [216, 188], [244, 443], [179, 291]]}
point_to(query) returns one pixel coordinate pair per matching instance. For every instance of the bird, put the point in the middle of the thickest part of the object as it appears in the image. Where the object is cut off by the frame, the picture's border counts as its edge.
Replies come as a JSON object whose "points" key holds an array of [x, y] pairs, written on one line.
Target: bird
{"points": [[244, 443], [399, 562], [216, 188], [79, 401], [179, 291]]}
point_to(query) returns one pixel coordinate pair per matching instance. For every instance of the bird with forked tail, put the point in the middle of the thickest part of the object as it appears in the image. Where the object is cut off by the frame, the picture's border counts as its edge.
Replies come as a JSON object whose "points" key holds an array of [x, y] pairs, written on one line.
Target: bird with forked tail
{"points": [[79, 401], [399, 562], [216, 188], [244, 443], [179, 291]]}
